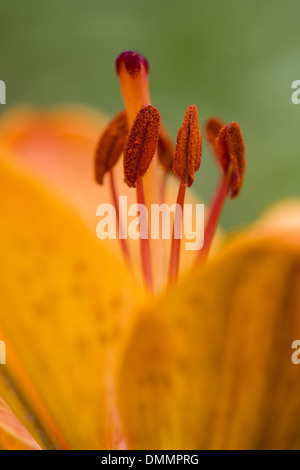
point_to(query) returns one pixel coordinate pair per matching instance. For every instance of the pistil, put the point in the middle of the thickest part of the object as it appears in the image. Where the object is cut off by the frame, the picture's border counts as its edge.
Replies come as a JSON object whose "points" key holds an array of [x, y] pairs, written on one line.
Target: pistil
{"points": [[133, 69]]}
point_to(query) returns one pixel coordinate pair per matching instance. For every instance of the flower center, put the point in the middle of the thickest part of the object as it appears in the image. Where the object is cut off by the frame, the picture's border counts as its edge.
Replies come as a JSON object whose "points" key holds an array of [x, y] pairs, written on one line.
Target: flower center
{"points": [[149, 159]]}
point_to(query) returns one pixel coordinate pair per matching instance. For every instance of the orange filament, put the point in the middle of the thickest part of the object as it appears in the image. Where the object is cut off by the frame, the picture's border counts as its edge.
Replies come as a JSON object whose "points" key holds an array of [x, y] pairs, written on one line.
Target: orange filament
{"points": [[188, 150], [145, 243], [177, 228], [214, 214], [141, 144]]}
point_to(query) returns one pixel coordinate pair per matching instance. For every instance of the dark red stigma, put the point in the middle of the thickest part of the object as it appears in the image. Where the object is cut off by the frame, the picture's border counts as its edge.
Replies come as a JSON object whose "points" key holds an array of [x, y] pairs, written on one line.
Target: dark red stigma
{"points": [[133, 62]]}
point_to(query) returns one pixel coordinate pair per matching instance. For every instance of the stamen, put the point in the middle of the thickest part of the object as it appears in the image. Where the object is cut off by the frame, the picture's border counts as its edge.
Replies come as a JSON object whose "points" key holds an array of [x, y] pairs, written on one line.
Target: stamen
{"points": [[138, 154], [188, 150], [110, 146], [187, 160], [133, 71], [230, 151], [141, 144], [230, 148], [108, 152]]}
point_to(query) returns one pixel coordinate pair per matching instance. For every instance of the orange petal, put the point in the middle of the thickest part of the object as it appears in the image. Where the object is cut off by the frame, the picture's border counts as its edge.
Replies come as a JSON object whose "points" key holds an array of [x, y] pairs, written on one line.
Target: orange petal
{"points": [[58, 147], [208, 366], [13, 435], [282, 218], [60, 317]]}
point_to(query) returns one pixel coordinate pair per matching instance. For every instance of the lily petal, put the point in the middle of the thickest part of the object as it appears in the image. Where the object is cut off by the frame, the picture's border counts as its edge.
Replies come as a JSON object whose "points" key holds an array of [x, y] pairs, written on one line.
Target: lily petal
{"points": [[58, 146], [282, 217], [209, 365], [13, 435], [60, 316]]}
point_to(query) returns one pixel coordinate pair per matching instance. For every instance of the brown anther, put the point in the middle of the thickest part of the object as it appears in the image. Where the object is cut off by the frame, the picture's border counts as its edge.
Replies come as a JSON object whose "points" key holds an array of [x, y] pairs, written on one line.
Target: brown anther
{"points": [[165, 149], [212, 129], [230, 150], [141, 144], [188, 151], [111, 145]]}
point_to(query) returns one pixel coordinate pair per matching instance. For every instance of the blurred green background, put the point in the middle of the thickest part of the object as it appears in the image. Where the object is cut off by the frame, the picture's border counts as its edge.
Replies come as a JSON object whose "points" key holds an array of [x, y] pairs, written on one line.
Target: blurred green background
{"points": [[235, 59]]}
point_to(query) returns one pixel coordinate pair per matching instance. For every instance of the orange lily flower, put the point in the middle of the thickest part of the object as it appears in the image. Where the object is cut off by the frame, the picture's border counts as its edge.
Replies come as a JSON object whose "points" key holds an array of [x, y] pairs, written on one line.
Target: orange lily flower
{"points": [[138, 344]]}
